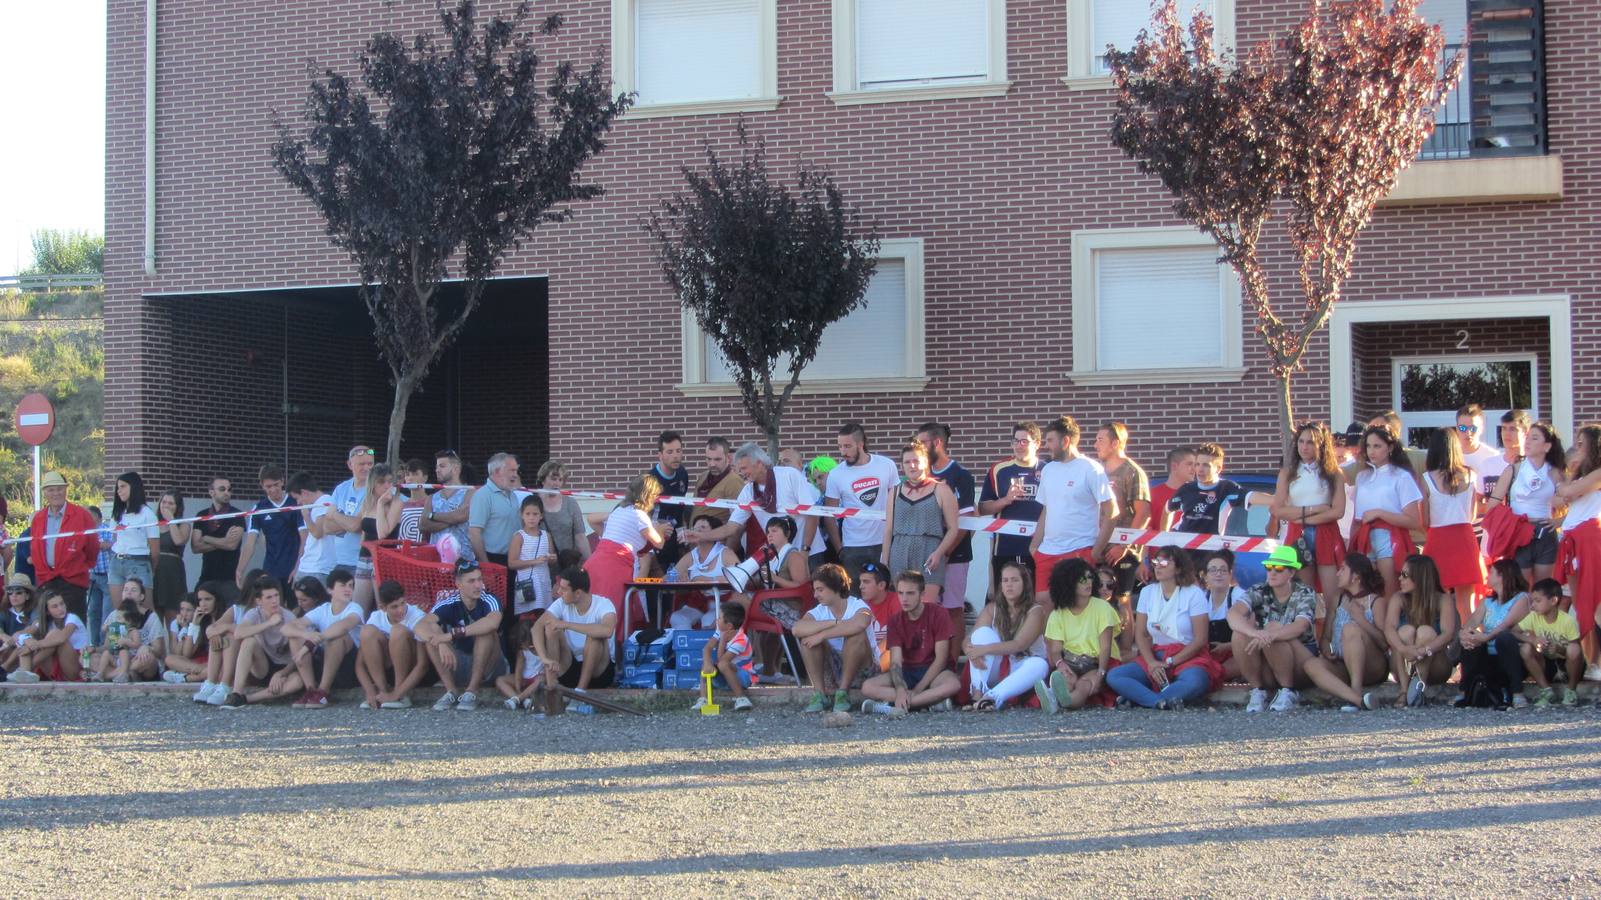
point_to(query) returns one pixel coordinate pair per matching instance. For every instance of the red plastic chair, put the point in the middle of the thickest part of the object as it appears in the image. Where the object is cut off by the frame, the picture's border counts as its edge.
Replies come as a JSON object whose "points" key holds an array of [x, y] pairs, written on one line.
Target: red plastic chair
{"points": [[759, 621], [425, 578]]}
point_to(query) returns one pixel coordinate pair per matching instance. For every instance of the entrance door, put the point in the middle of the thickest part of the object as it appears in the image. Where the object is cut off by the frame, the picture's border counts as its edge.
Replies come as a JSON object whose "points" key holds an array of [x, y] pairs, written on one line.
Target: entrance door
{"points": [[1429, 391]]}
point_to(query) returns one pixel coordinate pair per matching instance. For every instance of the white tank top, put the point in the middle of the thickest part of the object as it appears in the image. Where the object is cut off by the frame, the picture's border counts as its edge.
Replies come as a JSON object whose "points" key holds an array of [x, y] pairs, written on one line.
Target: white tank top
{"points": [[534, 546], [1308, 487], [706, 569], [1449, 509], [1584, 509], [1532, 491]]}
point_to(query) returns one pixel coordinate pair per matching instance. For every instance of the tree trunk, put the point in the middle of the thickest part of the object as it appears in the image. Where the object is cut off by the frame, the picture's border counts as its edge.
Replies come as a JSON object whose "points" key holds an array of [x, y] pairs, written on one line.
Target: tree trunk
{"points": [[1286, 406], [772, 441], [405, 386]]}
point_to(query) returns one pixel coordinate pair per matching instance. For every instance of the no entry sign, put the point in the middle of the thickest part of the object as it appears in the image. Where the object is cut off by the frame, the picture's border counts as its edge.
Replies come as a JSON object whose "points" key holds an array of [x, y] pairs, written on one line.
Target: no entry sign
{"points": [[36, 419]]}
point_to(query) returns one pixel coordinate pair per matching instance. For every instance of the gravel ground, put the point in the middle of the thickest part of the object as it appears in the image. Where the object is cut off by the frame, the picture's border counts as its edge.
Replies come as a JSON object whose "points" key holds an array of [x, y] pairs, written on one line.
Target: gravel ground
{"points": [[167, 797]]}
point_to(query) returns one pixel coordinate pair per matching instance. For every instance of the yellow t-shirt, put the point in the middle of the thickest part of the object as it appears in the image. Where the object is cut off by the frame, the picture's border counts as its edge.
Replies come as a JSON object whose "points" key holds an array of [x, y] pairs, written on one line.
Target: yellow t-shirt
{"points": [[1565, 628], [1080, 633]]}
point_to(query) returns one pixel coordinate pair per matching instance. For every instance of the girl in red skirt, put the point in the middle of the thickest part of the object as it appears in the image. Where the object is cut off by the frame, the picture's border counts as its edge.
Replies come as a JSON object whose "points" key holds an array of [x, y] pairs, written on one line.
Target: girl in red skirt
{"points": [[629, 531], [1579, 565], [1454, 491], [1310, 500]]}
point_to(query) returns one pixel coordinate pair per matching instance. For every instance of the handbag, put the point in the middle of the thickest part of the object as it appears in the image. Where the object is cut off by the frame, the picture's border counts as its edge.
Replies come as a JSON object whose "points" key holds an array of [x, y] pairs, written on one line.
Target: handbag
{"points": [[1303, 544]]}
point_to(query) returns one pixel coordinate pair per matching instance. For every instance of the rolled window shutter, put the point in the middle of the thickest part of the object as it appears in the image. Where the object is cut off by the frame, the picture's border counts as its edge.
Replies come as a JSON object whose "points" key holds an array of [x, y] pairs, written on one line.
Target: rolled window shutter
{"points": [[1159, 308], [868, 343], [1119, 22], [689, 50], [1507, 72], [909, 42]]}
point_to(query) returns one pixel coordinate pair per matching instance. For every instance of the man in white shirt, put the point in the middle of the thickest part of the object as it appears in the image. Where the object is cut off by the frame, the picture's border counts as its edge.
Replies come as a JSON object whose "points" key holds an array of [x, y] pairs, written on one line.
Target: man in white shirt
{"points": [[317, 548], [1079, 508], [863, 481], [573, 639], [327, 638], [1479, 457], [772, 490]]}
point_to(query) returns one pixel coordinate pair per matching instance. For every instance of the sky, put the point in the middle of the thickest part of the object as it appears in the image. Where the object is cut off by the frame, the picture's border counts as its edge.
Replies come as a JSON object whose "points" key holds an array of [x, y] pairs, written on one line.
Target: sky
{"points": [[53, 110]]}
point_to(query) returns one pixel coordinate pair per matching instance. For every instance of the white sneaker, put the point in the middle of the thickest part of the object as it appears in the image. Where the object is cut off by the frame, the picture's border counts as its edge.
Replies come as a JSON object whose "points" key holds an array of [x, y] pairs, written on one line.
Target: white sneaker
{"points": [[875, 707], [448, 701], [173, 677], [1593, 673], [1284, 701], [23, 676], [1519, 701], [218, 695], [468, 701], [1258, 701], [742, 703], [512, 703], [402, 703], [1047, 697], [206, 687]]}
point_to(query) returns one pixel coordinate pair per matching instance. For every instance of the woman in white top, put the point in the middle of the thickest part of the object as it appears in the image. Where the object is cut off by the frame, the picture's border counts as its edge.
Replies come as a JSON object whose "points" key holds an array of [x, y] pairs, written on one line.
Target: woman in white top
{"points": [[1454, 492], [135, 546], [1529, 488], [1310, 501], [1222, 593], [55, 647], [627, 532], [531, 554], [1170, 629], [705, 560], [1387, 504], [1012, 628], [1579, 563]]}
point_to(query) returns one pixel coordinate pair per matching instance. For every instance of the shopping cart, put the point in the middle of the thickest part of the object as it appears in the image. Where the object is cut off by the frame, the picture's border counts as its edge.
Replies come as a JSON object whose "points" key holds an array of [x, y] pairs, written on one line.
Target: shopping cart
{"points": [[425, 578]]}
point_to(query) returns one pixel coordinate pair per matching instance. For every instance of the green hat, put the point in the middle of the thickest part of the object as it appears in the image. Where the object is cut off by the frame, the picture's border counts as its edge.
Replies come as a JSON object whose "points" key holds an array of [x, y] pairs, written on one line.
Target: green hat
{"points": [[1283, 555], [820, 465]]}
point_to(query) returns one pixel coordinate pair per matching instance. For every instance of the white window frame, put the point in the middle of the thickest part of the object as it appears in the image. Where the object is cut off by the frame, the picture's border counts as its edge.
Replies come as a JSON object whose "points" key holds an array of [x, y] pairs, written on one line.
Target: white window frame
{"points": [[845, 92], [1446, 418], [625, 15], [908, 250], [1081, 52], [1085, 314]]}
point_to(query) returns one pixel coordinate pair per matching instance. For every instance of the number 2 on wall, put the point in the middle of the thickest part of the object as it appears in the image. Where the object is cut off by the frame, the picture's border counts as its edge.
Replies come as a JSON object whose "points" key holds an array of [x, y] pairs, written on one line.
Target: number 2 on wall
{"points": [[1462, 339]]}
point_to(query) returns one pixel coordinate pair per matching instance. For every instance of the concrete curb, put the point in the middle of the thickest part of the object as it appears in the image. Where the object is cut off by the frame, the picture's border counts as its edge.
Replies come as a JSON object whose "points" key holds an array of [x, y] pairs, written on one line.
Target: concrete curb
{"points": [[1230, 696]]}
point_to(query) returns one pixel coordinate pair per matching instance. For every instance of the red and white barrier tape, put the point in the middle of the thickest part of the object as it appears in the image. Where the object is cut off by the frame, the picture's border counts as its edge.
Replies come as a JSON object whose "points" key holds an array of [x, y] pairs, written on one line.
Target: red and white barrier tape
{"points": [[208, 517], [987, 524]]}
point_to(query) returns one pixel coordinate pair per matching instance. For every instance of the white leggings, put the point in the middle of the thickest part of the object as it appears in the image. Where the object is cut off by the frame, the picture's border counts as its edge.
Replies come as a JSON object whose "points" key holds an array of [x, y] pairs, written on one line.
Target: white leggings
{"points": [[984, 674], [689, 617]]}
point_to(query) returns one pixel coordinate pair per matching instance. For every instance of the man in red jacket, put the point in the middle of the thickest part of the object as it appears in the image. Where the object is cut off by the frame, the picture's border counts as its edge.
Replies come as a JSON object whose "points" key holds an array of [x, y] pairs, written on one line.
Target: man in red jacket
{"points": [[62, 564]]}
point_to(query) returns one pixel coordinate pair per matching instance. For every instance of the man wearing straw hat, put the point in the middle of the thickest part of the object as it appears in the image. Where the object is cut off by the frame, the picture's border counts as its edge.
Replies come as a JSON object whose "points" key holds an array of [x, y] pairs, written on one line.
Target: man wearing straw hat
{"points": [[62, 564]]}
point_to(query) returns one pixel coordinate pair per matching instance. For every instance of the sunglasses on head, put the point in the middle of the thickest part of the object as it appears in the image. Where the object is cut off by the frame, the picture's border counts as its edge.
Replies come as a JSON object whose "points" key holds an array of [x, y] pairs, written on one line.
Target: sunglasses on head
{"points": [[362, 451]]}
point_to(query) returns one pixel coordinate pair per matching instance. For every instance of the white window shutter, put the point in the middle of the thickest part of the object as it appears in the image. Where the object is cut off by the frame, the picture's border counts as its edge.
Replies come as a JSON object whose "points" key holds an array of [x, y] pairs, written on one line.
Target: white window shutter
{"points": [[1160, 308], [900, 43], [692, 50], [868, 343], [1119, 22]]}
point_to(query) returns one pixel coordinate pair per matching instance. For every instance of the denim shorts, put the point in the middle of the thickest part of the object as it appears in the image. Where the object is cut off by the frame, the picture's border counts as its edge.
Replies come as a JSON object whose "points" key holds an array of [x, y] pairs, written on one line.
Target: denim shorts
{"points": [[744, 679], [1379, 544], [120, 569]]}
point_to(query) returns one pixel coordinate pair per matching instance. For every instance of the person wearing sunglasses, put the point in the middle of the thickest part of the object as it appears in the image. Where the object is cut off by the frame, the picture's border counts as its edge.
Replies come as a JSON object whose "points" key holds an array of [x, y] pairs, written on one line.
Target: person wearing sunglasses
{"points": [[1476, 455], [1222, 592], [1528, 488], [1274, 635], [1173, 665], [1420, 626]]}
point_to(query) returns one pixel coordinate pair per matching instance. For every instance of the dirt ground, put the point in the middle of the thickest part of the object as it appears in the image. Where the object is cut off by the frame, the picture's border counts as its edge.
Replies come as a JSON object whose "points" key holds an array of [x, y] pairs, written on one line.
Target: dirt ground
{"points": [[158, 795]]}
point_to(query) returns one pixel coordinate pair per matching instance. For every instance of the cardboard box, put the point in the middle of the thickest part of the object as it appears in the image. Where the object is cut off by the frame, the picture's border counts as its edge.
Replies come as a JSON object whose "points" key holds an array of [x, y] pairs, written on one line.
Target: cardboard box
{"points": [[690, 639]]}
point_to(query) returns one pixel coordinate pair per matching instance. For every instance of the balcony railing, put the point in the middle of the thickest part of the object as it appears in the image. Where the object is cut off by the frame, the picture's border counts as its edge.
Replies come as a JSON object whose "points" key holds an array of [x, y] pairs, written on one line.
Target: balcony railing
{"points": [[1453, 121]]}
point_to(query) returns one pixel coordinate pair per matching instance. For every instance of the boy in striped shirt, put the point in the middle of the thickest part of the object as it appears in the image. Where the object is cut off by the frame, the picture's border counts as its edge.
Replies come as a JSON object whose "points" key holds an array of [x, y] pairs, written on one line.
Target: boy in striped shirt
{"points": [[729, 657]]}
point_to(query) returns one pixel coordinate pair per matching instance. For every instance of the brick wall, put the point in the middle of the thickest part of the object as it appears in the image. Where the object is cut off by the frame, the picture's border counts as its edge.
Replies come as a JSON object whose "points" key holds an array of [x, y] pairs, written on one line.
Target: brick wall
{"points": [[994, 186], [1375, 345]]}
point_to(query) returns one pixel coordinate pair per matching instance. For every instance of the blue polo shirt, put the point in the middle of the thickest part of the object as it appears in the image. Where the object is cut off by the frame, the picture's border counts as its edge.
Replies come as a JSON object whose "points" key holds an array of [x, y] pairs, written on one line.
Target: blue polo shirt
{"points": [[347, 500], [281, 531], [452, 612]]}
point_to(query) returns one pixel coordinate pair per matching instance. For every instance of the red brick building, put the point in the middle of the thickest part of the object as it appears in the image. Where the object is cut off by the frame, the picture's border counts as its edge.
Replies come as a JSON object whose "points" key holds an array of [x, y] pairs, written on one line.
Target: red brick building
{"points": [[1028, 269]]}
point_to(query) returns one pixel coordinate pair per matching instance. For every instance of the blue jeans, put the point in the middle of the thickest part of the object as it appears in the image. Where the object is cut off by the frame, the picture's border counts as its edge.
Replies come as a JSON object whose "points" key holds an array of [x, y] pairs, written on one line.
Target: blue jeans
{"points": [[99, 603], [1130, 681]]}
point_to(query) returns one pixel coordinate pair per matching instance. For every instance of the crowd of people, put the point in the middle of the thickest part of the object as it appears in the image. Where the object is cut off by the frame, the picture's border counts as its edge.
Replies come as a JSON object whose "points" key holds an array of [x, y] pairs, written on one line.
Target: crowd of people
{"points": [[1392, 563]]}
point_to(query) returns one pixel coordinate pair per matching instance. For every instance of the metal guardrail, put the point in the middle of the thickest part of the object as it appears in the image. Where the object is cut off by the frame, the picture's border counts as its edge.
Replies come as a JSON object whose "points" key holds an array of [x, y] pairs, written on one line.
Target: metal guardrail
{"points": [[41, 283]]}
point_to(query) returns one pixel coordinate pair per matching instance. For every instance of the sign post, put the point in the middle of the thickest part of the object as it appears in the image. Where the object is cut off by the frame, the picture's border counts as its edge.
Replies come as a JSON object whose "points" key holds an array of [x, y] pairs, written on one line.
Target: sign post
{"points": [[36, 421]]}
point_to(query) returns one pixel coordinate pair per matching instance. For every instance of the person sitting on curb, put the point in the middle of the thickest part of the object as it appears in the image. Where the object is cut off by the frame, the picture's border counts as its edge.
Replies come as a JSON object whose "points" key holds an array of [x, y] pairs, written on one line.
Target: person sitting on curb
{"points": [[728, 658], [1009, 630], [1274, 636], [919, 640], [1550, 639], [55, 648], [1080, 638], [834, 639], [1174, 664], [462, 638], [327, 639], [573, 639], [263, 653], [389, 643], [1420, 625], [1355, 656]]}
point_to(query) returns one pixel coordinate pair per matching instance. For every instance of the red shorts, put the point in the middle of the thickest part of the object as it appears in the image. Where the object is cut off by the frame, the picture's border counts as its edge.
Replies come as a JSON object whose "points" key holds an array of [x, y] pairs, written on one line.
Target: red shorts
{"points": [[1045, 562]]}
